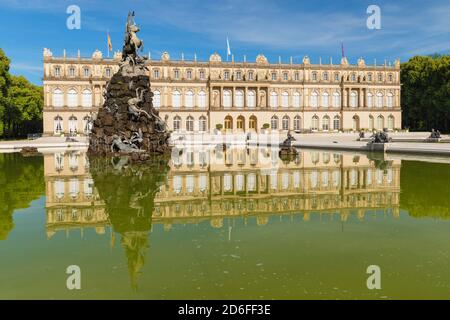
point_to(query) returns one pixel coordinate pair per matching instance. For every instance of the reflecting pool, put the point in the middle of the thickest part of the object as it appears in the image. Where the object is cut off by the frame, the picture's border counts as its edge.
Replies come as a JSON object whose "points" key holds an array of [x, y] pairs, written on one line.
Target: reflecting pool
{"points": [[224, 223]]}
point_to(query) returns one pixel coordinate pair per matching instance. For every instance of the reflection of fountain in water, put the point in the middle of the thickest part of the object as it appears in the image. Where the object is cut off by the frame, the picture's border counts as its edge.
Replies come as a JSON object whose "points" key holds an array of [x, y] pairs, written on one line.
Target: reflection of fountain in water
{"points": [[128, 191]]}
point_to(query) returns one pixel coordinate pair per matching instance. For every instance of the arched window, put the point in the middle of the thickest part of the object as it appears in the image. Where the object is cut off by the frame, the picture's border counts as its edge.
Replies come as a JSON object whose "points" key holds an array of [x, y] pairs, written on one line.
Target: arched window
{"points": [[189, 99], [190, 124], [391, 122], [297, 100], [58, 98], [176, 99], [72, 98], [274, 123], [369, 100], [326, 123], [274, 100], [336, 123], [353, 99], [314, 99], [228, 123], [202, 124], [380, 122], [58, 125], [336, 100], [86, 98], [285, 123], [379, 100], [202, 99], [325, 100], [176, 123], [252, 124], [251, 100], [87, 125], [371, 123], [390, 100], [285, 99], [240, 123], [73, 125], [315, 123], [227, 99], [355, 125], [239, 99], [156, 99], [297, 123]]}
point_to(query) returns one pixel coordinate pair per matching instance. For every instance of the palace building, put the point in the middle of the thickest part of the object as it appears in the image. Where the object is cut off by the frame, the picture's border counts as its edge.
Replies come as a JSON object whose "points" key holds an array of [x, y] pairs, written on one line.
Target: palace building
{"points": [[202, 96]]}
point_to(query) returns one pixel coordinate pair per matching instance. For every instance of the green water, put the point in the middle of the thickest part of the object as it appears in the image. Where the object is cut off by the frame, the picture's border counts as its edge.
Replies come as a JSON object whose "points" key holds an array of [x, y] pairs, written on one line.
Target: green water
{"points": [[224, 225]]}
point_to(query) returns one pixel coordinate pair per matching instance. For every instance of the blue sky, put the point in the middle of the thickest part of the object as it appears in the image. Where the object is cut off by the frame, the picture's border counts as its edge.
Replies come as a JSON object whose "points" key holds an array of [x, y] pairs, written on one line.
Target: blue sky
{"points": [[275, 28]]}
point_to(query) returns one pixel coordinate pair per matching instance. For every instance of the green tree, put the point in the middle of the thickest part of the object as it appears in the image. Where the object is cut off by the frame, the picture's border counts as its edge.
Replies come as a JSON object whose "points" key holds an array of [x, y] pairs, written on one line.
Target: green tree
{"points": [[4, 82], [426, 92], [23, 113]]}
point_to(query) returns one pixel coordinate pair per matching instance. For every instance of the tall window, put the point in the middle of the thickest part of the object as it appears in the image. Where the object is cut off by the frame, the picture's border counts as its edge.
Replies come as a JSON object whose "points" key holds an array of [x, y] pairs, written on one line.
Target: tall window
{"points": [[228, 123], [87, 125], [336, 77], [371, 123], [72, 98], [58, 98], [176, 99], [57, 71], [108, 72], [251, 100], [227, 99], [87, 72], [202, 99], [156, 99], [226, 75], [239, 99], [58, 125], [274, 100], [325, 76], [297, 123], [252, 123], [86, 98], [190, 124], [274, 76], [297, 100], [315, 123], [369, 100], [326, 123], [314, 76], [285, 99], [336, 123], [380, 122], [73, 127], [391, 122], [250, 75], [296, 76], [353, 99], [274, 123], [285, 76], [238, 75], [390, 100], [325, 100], [314, 99], [176, 74], [379, 100], [156, 73], [71, 72], [336, 100], [285, 123], [202, 124], [189, 74], [176, 123], [202, 75], [240, 123], [189, 99]]}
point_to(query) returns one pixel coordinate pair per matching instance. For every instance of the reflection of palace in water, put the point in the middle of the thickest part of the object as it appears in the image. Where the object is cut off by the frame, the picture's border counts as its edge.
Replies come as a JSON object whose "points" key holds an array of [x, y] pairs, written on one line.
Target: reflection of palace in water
{"points": [[213, 184]]}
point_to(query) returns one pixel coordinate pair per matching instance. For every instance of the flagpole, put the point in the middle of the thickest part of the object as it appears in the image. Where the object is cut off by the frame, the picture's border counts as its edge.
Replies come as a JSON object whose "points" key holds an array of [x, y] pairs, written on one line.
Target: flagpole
{"points": [[107, 44]]}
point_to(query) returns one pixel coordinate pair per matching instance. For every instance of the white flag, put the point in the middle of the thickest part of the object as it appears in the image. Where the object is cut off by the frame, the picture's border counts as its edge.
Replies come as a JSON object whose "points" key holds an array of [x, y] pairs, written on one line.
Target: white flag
{"points": [[228, 48]]}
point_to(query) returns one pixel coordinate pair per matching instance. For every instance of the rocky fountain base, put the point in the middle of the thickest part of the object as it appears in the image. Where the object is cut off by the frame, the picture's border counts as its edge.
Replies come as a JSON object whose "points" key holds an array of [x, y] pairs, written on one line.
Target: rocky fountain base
{"points": [[127, 123]]}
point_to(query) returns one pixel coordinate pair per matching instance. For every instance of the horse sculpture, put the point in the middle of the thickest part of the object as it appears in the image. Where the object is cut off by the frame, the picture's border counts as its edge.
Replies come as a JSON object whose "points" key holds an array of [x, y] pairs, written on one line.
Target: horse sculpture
{"points": [[132, 43]]}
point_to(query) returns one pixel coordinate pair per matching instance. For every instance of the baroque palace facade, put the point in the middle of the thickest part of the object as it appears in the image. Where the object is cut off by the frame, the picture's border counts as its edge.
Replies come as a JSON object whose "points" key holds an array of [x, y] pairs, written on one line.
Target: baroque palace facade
{"points": [[198, 97]]}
